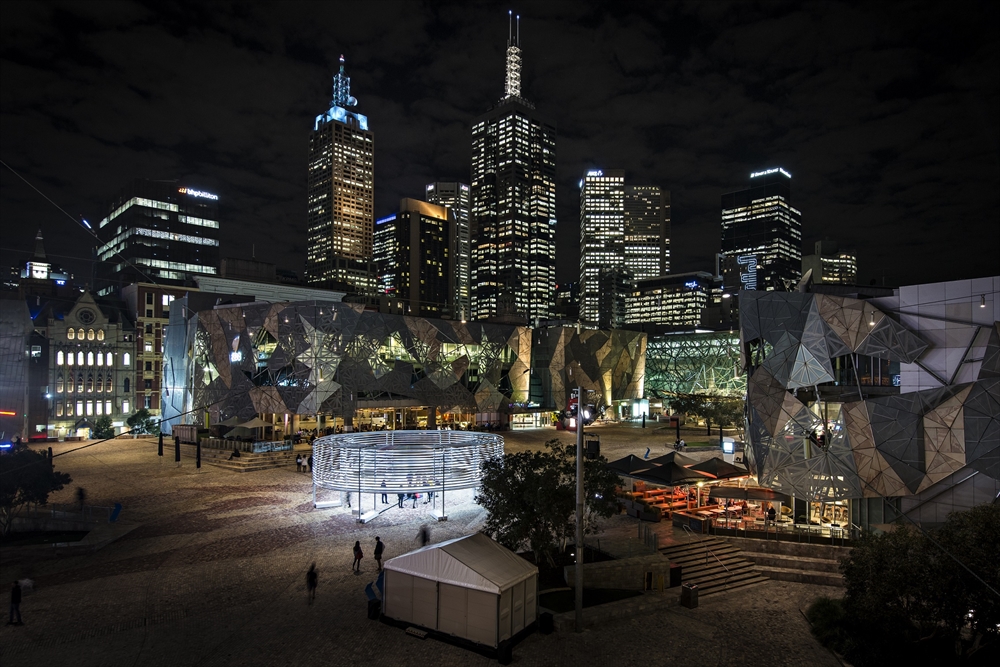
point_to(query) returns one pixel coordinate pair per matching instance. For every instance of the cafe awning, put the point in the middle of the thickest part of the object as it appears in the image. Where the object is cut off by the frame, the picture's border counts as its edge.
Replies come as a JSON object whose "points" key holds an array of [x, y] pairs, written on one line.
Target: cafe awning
{"points": [[720, 469], [672, 475], [749, 493], [629, 465], [673, 457]]}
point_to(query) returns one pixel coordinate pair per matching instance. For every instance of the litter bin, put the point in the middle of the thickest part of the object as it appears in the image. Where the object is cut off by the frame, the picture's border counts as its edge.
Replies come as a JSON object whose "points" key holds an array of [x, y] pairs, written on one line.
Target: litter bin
{"points": [[505, 652], [675, 575], [689, 595], [374, 609], [546, 623]]}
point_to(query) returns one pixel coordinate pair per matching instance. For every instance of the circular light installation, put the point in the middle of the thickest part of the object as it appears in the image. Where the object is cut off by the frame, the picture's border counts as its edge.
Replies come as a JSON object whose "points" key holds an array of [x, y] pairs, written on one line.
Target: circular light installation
{"points": [[406, 461]]}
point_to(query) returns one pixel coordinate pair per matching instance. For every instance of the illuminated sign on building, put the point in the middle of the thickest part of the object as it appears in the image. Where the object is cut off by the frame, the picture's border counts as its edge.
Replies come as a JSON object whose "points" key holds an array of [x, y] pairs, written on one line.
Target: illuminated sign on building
{"points": [[775, 170], [748, 278], [197, 193], [691, 284]]}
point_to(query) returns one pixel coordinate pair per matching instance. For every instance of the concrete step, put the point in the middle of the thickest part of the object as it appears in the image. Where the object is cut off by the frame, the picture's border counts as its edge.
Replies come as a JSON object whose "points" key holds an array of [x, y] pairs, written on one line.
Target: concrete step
{"points": [[805, 563], [733, 584], [802, 576]]}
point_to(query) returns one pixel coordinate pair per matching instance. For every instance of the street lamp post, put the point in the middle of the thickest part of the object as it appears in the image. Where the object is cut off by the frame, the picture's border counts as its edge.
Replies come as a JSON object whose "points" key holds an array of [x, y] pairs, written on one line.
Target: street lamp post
{"points": [[579, 509]]}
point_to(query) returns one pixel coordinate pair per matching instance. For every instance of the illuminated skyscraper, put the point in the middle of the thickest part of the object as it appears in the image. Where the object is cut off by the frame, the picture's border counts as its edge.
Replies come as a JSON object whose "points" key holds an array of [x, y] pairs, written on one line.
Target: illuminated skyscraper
{"points": [[647, 231], [157, 231], [832, 264], [761, 234], [340, 192], [415, 259], [456, 196], [513, 215], [602, 237]]}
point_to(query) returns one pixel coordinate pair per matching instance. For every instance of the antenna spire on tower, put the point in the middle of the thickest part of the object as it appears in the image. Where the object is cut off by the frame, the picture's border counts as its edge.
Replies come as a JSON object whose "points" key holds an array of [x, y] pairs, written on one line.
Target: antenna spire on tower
{"points": [[512, 86]]}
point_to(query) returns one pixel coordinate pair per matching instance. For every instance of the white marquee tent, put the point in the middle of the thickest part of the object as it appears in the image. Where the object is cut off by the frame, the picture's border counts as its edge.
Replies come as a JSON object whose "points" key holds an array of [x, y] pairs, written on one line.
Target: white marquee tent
{"points": [[469, 587]]}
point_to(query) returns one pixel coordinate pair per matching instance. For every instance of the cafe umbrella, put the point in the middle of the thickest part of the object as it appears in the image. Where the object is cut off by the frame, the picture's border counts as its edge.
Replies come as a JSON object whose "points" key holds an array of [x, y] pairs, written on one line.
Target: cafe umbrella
{"points": [[672, 457], [629, 465], [671, 475], [720, 469]]}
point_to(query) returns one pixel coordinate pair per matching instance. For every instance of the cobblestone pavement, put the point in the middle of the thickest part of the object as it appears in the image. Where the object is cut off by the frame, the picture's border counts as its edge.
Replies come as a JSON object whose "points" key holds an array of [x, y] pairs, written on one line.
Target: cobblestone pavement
{"points": [[214, 574]]}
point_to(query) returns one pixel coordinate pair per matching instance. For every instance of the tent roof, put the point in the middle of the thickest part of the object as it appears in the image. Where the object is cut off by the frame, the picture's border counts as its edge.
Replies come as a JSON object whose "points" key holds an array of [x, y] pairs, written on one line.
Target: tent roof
{"points": [[720, 469], [473, 561], [628, 465], [256, 422], [749, 493], [673, 457], [671, 475]]}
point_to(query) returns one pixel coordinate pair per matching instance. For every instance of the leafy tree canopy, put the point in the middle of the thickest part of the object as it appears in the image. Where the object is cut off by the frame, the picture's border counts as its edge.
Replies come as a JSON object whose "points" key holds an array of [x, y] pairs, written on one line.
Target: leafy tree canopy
{"points": [[141, 422], [530, 497], [26, 477], [103, 428]]}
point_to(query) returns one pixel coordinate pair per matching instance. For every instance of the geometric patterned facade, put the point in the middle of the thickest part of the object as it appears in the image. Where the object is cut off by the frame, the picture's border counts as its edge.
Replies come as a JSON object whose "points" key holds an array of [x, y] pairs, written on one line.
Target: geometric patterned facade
{"points": [[701, 363], [333, 358], [821, 438]]}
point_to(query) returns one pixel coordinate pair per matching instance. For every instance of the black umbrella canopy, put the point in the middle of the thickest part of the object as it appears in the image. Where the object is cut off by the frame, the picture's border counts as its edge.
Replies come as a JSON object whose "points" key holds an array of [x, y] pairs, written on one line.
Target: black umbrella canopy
{"points": [[673, 457], [672, 475], [720, 469], [629, 465], [749, 493]]}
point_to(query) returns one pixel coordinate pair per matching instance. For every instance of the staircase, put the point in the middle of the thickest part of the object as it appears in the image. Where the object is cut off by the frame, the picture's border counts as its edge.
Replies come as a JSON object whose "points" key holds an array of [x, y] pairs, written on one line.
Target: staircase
{"points": [[714, 565], [794, 561], [247, 462]]}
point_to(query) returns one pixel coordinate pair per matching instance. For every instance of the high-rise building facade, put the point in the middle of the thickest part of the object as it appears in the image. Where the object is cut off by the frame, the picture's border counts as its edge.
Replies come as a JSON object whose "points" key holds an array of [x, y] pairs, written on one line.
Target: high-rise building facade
{"points": [[831, 264], [647, 231], [762, 233], [602, 235], [676, 300], [513, 205], [415, 259], [341, 194], [457, 197], [157, 231]]}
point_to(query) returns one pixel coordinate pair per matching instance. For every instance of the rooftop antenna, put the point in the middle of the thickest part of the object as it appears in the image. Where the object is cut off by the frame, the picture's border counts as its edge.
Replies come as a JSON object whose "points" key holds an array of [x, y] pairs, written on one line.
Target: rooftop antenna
{"points": [[513, 82]]}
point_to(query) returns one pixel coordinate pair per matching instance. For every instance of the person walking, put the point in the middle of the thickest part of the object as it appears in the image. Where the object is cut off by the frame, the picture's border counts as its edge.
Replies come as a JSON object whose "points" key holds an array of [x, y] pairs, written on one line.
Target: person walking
{"points": [[358, 555], [309, 463], [312, 578], [81, 496], [424, 536], [385, 498], [379, 548], [15, 604], [400, 498], [298, 463]]}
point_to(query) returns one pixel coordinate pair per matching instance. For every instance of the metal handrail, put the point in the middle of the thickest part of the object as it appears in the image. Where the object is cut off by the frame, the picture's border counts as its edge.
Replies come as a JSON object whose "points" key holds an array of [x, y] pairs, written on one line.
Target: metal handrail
{"points": [[728, 571], [687, 529]]}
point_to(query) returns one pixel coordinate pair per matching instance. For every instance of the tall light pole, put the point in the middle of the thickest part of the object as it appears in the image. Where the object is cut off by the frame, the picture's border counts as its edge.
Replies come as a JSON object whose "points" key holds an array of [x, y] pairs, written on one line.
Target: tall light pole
{"points": [[580, 407]]}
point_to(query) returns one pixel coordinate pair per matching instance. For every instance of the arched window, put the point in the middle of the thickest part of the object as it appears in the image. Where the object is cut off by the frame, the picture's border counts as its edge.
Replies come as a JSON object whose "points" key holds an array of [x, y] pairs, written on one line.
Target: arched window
{"points": [[69, 359], [126, 358], [59, 384], [90, 334], [79, 358], [79, 334], [71, 334], [100, 334], [90, 358], [60, 360], [111, 359], [90, 382], [126, 386], [59, 409], [100, 383], [79, 383], [107, 386]]}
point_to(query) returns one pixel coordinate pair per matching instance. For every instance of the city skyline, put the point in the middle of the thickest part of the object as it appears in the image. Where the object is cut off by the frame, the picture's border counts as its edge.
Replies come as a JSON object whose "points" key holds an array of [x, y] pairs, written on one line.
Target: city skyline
{"points": [[888, 134]]}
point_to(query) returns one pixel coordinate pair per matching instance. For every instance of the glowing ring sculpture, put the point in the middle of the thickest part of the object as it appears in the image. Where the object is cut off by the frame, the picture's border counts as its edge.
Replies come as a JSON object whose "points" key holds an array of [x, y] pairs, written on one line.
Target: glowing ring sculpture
{"points": [[406, 461]]}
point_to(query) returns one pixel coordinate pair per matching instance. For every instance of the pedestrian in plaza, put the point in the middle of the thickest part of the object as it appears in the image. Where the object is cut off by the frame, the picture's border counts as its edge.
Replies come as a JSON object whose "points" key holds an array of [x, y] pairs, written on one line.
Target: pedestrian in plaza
{"points": [[15, 604], [358, 555], [416, 496], [81, 496], [385, 498], [400, 498], [771, 514], [298, 463], [424, 536], [312, 578], [379, 548], [309, 463]]}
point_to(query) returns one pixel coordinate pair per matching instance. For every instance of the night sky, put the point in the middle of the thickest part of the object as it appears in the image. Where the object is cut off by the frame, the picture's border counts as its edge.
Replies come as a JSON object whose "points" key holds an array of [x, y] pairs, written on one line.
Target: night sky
{"points": [[886, 114]]}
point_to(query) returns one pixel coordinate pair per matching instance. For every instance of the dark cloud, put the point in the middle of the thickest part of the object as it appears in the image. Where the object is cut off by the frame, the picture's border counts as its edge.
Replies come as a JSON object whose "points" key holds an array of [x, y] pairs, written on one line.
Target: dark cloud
{"points": [[885, 113]]}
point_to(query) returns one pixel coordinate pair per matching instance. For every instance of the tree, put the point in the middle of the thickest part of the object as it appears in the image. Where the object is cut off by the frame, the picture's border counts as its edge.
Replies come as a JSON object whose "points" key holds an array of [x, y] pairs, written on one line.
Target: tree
{"points": [[26, 477], [141, 422], [530, 498], [103, 428]]}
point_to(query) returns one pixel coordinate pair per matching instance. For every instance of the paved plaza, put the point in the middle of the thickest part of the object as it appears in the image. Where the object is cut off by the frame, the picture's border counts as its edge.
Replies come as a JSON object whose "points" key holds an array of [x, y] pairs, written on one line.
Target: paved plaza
{"points": [[209, 569]]}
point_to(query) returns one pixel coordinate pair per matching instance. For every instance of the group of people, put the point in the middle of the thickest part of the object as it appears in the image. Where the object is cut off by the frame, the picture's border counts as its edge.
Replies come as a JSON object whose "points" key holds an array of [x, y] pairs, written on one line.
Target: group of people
{"points": [[303, 463], [679, 445]]}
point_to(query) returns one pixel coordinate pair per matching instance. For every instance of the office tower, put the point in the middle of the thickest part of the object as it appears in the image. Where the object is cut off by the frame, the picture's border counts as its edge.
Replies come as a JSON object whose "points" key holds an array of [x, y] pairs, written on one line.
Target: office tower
{"points": [[340, 192], [456, 196], [157, 231], [513, 201], [415, 259], [762, 234], [831, 264], [647, 231], [602, 235], [676, 300]]}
